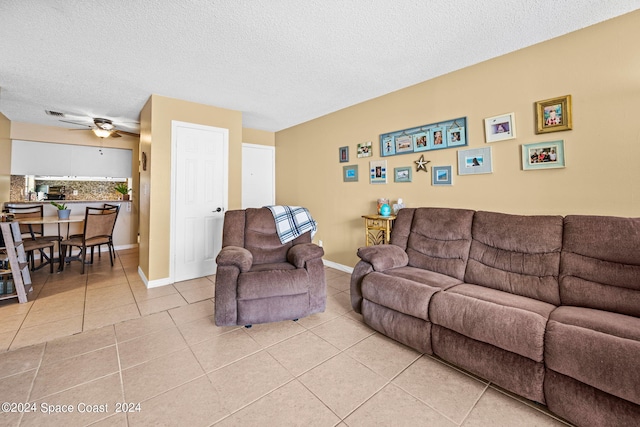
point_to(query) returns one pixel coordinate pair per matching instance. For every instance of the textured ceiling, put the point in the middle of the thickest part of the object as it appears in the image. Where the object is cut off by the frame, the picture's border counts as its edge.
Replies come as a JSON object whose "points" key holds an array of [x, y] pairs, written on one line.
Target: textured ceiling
{"points": [[280, 62]]}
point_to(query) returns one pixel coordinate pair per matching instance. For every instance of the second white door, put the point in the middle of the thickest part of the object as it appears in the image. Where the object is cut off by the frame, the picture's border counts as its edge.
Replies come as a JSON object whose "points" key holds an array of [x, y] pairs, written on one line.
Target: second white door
{"points": [[258, 175]]}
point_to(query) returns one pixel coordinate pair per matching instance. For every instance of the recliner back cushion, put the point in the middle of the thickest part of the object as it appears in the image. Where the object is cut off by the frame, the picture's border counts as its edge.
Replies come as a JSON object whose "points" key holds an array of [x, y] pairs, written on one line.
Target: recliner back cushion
{"points": [[517, 254], [439, 240], [261, 238], [600, 265]]}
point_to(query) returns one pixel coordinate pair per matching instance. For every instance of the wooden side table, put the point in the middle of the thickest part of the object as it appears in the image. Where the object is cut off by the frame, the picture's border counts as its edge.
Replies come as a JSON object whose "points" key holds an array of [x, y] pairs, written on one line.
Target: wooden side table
{"points": [[377, 229]]}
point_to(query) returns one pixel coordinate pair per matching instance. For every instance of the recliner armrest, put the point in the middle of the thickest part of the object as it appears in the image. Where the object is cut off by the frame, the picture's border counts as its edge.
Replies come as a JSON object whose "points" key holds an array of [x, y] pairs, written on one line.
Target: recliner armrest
{"points": [[298, 255], [235, 256], [384, 257]]}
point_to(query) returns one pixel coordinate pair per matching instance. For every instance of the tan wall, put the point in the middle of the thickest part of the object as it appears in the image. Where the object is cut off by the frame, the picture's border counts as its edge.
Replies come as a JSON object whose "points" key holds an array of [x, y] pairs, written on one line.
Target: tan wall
{"points": [[156, 120], [5, 158], [598, 66], [260, 137]]}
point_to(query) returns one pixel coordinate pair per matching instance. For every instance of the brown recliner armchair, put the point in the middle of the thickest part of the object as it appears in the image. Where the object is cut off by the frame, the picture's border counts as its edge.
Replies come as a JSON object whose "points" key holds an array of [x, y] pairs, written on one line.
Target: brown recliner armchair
{"points": [[261, 280]]}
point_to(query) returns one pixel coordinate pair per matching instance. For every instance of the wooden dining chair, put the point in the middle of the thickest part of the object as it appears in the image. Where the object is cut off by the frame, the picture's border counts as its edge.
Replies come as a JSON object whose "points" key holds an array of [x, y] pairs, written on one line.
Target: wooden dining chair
{"points": [[98, 230], [33, 235]]}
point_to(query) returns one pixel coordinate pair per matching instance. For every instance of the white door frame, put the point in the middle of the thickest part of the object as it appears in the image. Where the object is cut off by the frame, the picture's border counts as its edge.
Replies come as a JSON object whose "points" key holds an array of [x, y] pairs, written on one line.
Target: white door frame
{"points": [[272, 149], [174, 161]]}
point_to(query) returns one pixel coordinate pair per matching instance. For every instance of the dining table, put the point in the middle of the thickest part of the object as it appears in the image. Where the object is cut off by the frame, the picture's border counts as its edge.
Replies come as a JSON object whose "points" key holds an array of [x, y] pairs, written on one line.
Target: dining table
{"points": [[54, 220]]}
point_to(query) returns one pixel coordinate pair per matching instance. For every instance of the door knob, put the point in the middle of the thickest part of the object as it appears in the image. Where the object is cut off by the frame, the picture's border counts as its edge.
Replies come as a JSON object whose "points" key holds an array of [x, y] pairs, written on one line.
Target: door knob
{"points": [[219, 210]]}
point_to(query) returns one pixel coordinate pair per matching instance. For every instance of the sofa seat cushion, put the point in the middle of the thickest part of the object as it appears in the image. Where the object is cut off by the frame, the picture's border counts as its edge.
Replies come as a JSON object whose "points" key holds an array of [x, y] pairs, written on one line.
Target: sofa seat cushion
{"points": [[425, 277], [272, 266], [598, 348], [400, 294], [507, 321], [276, 283]]}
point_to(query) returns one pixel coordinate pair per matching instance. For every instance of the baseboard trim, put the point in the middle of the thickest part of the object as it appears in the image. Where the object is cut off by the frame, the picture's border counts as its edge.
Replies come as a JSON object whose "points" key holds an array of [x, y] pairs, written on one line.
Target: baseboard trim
{"points": [[153, 283], [337, 266]]}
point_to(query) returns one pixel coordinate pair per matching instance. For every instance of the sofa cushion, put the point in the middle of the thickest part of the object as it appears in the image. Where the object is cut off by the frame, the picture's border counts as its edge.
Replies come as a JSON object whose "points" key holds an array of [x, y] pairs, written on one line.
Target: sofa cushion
{"points": [[266, 284], [439, 240], [600, 265], [383, 257], [399, 294], [517, 254], [596, 347], [425, 277], [510, 322]]}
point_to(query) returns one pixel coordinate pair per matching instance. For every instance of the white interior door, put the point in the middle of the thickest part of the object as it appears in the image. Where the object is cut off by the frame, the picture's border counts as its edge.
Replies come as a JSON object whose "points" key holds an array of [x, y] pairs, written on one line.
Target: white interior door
{"points": [[258, 175], [200, 198]]}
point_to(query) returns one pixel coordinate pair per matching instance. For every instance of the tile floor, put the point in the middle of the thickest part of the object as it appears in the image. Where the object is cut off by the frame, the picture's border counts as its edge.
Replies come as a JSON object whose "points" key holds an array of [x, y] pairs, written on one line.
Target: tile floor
{"points": [[103, 350]]}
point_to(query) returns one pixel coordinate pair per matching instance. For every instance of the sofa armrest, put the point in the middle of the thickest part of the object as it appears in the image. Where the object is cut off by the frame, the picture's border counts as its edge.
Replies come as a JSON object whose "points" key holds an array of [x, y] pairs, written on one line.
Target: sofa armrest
{"points": [[298, 255], [384, 257], [235, 256]]}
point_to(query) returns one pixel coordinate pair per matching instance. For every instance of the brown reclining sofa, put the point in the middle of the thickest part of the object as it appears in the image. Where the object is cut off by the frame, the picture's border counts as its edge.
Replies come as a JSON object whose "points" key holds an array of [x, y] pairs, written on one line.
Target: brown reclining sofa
{"points": [[547, 307]]}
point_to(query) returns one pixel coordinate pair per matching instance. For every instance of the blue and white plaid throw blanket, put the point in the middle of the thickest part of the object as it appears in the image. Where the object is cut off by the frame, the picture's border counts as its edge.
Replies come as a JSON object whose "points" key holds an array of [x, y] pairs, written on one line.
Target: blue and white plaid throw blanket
{"points": [[292, 221]]}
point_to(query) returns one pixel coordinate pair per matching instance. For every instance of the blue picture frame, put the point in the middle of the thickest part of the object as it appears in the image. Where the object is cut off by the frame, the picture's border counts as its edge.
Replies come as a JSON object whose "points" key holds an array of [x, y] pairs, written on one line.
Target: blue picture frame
{"points": [[441, 175], [350, 173], [438, 136]]}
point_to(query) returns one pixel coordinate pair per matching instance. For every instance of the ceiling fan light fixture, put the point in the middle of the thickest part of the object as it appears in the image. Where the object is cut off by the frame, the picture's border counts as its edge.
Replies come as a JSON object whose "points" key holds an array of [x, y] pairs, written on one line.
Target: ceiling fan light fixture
{"points": [[104, 124], [101, 133]]}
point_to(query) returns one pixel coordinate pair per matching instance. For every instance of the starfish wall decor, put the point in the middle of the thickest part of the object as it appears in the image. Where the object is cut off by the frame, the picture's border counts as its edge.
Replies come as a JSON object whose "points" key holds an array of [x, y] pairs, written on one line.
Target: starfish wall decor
{"points": [[421, 164]]}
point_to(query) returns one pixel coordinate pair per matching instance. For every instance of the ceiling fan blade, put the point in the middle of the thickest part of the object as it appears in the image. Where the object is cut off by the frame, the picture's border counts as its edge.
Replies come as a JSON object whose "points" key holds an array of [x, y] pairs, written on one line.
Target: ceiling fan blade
{"points": [[115, 134], [76, 123], [123, 132]]}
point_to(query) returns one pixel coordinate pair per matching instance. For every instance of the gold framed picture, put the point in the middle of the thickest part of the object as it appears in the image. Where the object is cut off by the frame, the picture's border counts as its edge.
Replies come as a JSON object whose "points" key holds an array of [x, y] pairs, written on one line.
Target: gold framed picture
{"points": [[553, 115]]}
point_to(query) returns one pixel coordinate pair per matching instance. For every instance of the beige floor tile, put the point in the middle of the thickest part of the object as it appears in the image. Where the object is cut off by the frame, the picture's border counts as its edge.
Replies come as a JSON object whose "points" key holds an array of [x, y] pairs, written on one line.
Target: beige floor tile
{"points": [[290, 405], [341, 282], [55, 377], [11, 307], [392, 406], [339, 303], [16, 387], [111, 316], [193, 404], [383, 355], [149, 379], [117, 420], [302, 352], [108, 297], [46, 332], [203, 329], [143, 326], [342, 383], [449, 391], [6, 338], [497, 409], [191, 312], [141, 293], [63, 348], [52, 314], [267, 334], [248, 379], [342, 332], [198, 294], [224, 349], [151, 346], [91, 401], [23, 359], [156, 305], [11, 323], [198, 283], [317, 319]]}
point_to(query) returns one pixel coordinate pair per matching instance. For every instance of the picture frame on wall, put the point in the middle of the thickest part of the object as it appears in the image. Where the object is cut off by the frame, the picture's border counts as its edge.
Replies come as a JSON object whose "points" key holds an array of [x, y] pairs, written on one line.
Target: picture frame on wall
{"points": [[421, 141], [364, 149], [543, 155], [388, 146], [456, 136], [441, 175], [402, 174], [500, 128], [343, 154], [437, 138], [554, 114], [404, 144], [350, 173], [475, 161], [378, 171]]}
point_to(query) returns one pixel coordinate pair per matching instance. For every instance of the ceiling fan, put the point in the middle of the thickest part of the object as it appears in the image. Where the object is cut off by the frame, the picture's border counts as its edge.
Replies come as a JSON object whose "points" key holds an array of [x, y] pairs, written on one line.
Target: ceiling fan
{"points": [[102, 128]]}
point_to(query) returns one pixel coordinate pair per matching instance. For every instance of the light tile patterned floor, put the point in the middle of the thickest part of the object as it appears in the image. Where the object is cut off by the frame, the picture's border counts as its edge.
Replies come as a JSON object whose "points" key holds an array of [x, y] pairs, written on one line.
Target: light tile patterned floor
{"points": [[94, 342]]}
